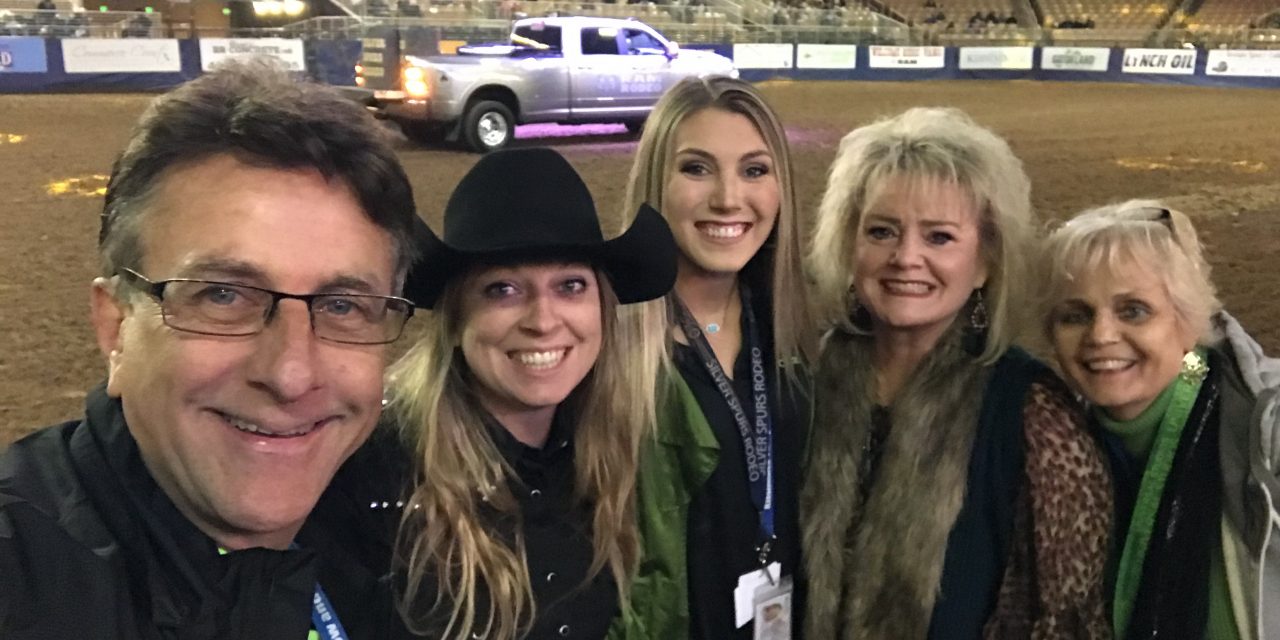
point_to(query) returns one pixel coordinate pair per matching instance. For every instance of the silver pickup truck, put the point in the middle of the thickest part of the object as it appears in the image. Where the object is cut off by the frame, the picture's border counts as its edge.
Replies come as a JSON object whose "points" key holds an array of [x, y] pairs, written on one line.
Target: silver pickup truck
{"points": [[568, 70]]}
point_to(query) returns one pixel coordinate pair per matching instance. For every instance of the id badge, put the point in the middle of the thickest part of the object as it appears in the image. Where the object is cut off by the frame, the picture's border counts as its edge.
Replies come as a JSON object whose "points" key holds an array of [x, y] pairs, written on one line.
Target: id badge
{"points": [[764, 595], [772, 605]]}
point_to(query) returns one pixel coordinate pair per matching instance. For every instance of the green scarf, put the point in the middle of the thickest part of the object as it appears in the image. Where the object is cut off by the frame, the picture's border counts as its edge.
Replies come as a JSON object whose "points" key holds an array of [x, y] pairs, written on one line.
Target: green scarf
{"points": [[1185, 389], [1137, 435]]}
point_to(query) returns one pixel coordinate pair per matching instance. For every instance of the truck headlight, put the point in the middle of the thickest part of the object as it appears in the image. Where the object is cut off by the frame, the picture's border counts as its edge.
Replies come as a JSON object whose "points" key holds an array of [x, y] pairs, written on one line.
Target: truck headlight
{"points": [[415, 83]]}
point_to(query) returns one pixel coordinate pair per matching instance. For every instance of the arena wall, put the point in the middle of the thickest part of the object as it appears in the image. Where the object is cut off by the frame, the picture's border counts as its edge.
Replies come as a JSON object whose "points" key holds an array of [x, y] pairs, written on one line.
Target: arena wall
{"points": [[48, 65]]}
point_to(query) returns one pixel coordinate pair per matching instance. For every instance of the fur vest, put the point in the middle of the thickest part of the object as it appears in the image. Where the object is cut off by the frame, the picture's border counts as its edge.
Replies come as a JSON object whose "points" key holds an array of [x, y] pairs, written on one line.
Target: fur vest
{"points": [[920, 485], [874, 569]]}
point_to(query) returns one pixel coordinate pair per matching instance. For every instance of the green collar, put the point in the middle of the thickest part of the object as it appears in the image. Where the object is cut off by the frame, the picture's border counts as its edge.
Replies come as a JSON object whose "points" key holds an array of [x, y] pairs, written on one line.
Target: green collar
{"points": [[1139, 433]]}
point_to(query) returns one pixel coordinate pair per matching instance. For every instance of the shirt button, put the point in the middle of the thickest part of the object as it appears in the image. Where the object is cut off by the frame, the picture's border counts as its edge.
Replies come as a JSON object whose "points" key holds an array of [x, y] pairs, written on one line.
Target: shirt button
{"points": [[536, 493], [564, 631], [551, 576]]}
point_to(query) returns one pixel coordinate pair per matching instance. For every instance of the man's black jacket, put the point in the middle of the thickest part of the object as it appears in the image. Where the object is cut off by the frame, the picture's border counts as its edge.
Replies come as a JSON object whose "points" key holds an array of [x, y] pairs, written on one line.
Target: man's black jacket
{"points": [[90, 547]]}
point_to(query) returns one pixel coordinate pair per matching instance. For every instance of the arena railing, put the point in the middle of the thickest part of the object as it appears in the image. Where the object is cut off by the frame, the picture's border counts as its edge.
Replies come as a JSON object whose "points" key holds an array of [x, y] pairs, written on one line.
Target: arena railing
{"points": [[1232, 38], [491, 21], [81, 24]]}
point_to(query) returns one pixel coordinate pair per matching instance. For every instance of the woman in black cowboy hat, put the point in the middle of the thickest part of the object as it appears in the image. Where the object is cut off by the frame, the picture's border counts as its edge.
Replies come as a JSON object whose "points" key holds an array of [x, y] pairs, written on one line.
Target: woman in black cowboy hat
{"points": [[525, 409]]}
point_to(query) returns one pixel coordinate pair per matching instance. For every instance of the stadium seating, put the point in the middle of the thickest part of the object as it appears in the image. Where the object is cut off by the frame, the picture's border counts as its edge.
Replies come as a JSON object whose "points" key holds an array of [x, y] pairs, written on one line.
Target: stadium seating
{"points": [[959, 12], [1109, 14], [1231, 13]]}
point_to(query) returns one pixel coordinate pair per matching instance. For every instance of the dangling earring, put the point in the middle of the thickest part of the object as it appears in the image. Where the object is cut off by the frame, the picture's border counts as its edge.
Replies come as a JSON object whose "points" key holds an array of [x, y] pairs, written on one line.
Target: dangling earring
{"points": [[978, 314]]}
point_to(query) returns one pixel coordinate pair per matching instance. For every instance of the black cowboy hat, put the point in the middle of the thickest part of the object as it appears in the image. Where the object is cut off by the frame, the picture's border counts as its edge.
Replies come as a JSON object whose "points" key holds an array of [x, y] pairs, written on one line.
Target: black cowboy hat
{"points": [[530, 204]]}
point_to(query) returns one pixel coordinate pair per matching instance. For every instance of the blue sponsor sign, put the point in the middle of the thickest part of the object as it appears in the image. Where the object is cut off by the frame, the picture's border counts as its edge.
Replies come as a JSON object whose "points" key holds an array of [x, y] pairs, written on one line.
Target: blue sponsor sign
{"points": [[22, 55]]}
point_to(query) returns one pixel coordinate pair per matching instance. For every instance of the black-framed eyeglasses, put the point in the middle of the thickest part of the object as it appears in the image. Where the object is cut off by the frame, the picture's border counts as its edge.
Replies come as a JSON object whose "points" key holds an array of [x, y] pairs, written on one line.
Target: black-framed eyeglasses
{"points": [[216, 308]]}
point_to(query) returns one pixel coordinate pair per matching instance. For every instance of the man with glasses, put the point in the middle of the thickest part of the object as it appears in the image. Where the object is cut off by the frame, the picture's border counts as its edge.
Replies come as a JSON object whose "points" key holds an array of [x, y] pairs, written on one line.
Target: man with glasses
{"points": [[254, 240]]}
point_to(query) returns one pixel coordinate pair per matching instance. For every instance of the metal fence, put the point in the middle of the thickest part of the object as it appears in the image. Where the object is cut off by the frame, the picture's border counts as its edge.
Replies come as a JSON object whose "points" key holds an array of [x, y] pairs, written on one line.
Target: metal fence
{"points": [[727, 21], [81, 24]]}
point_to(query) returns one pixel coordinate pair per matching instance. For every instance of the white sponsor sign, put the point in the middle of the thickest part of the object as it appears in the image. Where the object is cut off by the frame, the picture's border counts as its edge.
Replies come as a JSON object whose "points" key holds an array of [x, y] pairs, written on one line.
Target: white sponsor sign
{"points": [[762, 56], [1255, 63], [827, 56], [907, 57], [1163, 61], [978, 58], [215, 51], [121, 55], [1075, 58]]}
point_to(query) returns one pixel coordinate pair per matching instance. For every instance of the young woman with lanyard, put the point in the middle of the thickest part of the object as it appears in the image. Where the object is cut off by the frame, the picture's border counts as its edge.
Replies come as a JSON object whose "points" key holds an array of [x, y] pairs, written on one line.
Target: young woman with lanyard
{"points": [[525, 407], [717, 501]]}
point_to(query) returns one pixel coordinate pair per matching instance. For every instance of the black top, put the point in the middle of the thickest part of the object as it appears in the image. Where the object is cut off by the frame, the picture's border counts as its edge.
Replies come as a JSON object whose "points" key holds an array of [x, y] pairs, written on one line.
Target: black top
{"points": [[557, 535], [723, 522], [91, 547]]}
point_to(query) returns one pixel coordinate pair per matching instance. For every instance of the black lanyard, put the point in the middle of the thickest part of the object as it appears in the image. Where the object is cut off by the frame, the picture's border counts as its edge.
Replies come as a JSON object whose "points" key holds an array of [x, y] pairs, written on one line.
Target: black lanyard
{"points": [[757, 434]]}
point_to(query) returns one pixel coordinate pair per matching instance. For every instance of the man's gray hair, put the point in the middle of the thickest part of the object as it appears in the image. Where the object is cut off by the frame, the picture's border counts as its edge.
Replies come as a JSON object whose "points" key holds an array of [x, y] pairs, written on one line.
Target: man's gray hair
{"points": [[258, 113]]}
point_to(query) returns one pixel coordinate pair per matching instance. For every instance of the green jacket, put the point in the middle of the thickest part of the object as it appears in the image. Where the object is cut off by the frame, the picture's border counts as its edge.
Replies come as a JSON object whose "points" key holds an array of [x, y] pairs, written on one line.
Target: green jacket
{"points": [[675, 464]]}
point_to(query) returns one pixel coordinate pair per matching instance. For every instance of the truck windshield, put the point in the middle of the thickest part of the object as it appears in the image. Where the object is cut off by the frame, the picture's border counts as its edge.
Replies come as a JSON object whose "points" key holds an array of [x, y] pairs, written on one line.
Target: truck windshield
{"points": [[546, 35]]}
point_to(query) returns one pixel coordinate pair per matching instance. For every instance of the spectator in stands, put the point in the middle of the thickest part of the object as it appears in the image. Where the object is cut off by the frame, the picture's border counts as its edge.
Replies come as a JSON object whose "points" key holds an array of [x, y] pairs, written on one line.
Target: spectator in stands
{"points": [[254, 235], [781, 16], [933, 432], [408, 8], [46, 13], [1188, 408], [78, 25], [139, 26]]}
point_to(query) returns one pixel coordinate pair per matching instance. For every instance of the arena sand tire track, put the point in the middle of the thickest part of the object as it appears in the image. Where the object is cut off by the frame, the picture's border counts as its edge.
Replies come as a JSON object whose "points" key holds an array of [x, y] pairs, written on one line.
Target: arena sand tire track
{"points": [[1213, 152]]}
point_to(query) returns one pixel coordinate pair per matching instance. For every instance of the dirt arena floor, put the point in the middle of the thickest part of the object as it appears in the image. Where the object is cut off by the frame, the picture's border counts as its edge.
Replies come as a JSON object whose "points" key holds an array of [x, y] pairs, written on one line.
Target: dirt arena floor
{"points": [[1214, 153]]}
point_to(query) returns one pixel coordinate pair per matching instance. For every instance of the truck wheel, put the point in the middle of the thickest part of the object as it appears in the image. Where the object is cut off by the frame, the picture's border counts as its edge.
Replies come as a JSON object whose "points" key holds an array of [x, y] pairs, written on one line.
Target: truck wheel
{"points": [[487, 126]]}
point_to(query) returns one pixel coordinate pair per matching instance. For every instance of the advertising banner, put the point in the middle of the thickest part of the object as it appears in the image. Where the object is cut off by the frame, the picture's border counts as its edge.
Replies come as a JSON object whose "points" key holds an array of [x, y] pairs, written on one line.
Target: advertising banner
{"points": [[1095, 59], [907, 57], [213, 51], [22, 55], [992, 58], [121, 55], [827, 56], [1161, 61], [1256, 63], [762, 56]]}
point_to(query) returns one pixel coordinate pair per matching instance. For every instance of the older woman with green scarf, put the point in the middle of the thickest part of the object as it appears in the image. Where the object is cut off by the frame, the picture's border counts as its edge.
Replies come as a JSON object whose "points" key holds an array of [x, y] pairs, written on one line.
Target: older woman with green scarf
{"points": [[1188, 407]]}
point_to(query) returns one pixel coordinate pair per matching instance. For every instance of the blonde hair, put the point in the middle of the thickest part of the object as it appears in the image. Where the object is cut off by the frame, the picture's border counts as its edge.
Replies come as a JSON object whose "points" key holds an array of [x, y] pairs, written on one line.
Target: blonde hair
{"points": [[464, 482], [1138, 231], [778, 267], [918, 145]]}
